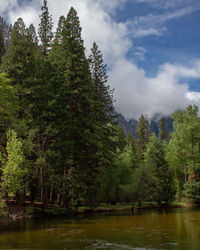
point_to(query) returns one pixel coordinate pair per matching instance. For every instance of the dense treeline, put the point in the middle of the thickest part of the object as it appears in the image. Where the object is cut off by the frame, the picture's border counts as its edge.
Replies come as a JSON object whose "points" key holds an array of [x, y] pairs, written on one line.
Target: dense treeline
{"points": [[58, 109], [59, 141]]}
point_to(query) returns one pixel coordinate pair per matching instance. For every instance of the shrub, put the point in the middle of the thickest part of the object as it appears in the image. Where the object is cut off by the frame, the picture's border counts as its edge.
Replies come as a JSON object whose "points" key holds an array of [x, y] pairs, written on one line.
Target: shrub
{"points": [[192, 191], [3, 210]]}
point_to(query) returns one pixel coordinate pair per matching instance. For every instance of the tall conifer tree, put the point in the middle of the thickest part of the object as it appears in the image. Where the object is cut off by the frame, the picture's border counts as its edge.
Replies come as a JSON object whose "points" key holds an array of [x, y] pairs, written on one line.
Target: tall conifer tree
{"points": [[2, 46], [45, 28], [5, 31], [162, 130], [103, 113], [104, 94], [143, 133], [74, 121]]}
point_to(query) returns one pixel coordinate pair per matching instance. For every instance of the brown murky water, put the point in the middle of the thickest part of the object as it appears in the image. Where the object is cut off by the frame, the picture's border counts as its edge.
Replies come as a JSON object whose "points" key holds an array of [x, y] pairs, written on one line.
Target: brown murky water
{"points": [[171, 229]]}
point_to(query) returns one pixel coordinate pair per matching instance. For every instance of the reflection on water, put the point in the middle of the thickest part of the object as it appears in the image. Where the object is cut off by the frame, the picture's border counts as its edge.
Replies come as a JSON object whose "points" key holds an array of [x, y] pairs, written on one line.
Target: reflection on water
{"points": [[165, 229]]}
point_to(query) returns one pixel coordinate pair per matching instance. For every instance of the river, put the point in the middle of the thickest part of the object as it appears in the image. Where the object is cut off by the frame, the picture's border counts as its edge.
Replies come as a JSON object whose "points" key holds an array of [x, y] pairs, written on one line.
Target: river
{"points": [[166, 229]]}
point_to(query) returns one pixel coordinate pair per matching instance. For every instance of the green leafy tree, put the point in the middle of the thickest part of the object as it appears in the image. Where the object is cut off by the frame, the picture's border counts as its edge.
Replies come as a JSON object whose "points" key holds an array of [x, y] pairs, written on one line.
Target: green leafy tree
{"points": [[192, 191], [3, 211], [155, 159], [183, 149], [11, 165], [141, 187], [119, 173]]}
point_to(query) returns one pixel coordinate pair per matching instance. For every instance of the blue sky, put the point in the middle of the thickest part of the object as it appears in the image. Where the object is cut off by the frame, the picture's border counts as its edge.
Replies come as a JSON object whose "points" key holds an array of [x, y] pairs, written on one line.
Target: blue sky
{"points": [[152, 47], [177, 40]]}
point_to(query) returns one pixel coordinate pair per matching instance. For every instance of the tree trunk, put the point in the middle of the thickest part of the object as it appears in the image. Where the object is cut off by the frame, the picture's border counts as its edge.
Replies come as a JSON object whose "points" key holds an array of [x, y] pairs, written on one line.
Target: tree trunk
{"points": [[41, 184], [32, 192], [58, 199], [20, 197], [43, 191]]}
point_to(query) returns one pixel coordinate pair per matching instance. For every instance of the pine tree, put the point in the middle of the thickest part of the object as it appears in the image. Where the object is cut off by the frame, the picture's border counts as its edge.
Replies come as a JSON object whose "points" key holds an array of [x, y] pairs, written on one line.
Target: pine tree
{"points": [[74, 121], [5, 31], [8, 104], [104, 110], [45, 29], [162, 130], [13, 62], [104, 115], [59, 127], [104, 94], [143, 133], [56, 54], [2, 46]]}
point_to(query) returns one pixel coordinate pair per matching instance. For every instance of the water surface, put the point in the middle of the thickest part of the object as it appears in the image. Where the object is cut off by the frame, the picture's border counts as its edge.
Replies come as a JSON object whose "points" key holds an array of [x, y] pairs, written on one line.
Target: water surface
{"points": [[166, 229]]}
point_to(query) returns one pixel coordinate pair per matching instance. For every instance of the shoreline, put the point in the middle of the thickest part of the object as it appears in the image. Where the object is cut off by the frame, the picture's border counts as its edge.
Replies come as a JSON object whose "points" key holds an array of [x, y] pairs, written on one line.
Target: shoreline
{"points": [[37, 211]]}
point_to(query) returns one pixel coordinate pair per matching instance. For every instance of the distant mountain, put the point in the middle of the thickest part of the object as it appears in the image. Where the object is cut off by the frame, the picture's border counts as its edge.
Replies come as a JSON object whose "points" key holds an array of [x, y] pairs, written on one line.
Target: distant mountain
{"points": [[130, 126]]}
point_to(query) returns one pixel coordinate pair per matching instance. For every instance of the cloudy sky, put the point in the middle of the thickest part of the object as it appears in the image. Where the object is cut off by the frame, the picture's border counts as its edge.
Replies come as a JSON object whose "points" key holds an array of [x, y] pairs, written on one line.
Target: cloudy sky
{"points": [[151, 47]]}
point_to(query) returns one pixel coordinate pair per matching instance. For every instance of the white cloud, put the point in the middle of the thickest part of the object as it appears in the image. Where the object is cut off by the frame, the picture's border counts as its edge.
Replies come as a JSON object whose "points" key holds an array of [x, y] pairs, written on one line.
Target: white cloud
{"points": [[168, 4], [154, 24], [146, 32], [193, 96], [28, 14], [9, 4], [135, 93], [139, 53]]}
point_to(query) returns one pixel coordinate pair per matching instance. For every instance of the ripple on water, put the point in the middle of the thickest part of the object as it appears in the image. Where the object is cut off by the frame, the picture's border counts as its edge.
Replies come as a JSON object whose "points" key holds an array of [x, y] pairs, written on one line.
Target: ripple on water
{"points": [[71, 232], [105, 245], [170, 244], [50, 229]]}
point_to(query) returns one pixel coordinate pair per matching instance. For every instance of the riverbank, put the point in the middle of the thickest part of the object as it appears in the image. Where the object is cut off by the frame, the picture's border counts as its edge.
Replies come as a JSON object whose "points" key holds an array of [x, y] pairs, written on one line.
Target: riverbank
{"points": [[15, 211]]}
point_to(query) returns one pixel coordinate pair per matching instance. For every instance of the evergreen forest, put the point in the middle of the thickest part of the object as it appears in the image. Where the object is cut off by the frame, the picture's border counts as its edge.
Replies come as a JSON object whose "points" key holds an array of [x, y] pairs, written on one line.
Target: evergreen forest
{"points": [[60, 142]]}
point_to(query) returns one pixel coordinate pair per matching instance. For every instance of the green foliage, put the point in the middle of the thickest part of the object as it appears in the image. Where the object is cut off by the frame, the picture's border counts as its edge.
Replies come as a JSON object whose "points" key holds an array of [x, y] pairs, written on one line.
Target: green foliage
{"points": [[45, 28], [3, 210], [4, 37], [142, 185], [58, 212], [29, 210], [11, 165], [110, 185], [155, 159], [71, 151], [104, 96], [2, 46], [22, 65], [192, 191], [162, 130], [183, 149], [143, 133], [8, 103], [119, 138]]}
